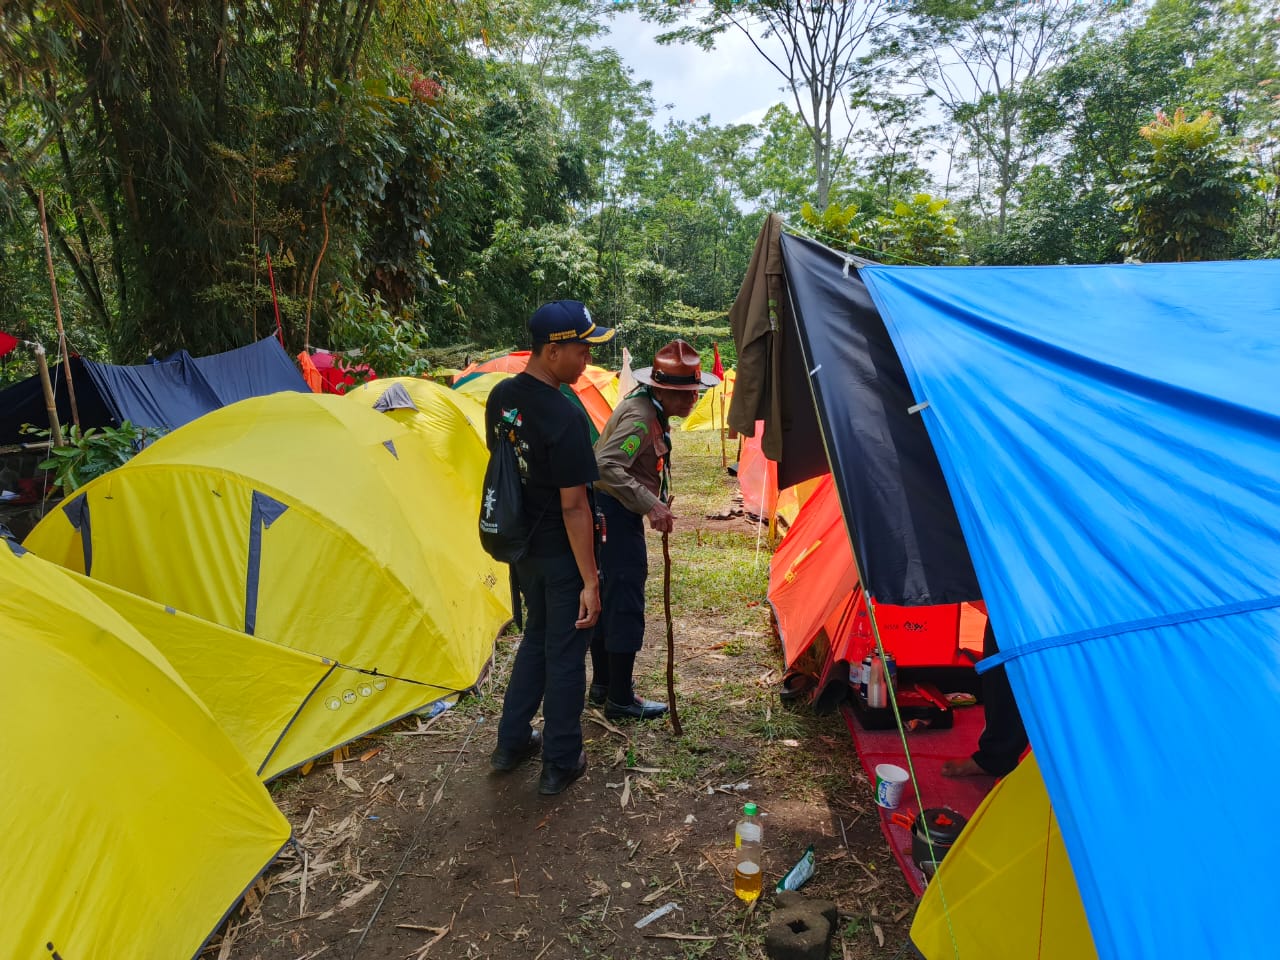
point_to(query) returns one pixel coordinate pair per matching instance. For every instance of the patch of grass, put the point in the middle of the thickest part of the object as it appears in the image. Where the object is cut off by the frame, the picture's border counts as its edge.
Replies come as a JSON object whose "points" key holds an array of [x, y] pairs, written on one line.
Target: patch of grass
{"points": [[774, 723], [714, 571], [696, 949]]}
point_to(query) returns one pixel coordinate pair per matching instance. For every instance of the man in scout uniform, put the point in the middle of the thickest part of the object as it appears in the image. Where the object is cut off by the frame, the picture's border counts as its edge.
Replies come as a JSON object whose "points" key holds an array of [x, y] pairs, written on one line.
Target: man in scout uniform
{"points": [[633, 454]]}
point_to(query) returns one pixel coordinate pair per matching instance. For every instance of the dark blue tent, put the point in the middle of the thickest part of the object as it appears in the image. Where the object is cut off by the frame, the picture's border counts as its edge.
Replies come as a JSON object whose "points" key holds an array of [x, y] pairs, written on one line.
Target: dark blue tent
{"points": [[165, 394], [24, 403]]}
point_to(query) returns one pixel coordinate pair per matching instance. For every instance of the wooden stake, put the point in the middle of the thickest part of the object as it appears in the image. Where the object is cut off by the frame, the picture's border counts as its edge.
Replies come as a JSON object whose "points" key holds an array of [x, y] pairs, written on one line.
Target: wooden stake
{"points": [[57, 314], [724, 459], [50, 404], [671, 637]]}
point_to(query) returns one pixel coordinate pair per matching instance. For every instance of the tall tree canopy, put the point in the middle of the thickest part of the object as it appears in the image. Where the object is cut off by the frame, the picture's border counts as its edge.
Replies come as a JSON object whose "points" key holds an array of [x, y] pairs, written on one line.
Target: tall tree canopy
{"points": [[411, 177]]}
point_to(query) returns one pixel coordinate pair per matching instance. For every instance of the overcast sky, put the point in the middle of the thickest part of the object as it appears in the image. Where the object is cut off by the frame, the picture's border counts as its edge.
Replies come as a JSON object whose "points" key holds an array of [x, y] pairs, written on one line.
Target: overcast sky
{"points": [[732, 84]]}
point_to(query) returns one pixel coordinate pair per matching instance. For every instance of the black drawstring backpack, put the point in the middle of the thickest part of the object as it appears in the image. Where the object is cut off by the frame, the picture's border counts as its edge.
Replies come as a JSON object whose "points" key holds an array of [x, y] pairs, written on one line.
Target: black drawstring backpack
{"points": [[504, 529]]}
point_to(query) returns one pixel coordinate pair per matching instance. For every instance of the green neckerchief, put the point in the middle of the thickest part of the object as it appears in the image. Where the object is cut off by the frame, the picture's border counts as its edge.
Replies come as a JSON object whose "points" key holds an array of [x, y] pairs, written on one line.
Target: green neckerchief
{"points": [[664, 477]]}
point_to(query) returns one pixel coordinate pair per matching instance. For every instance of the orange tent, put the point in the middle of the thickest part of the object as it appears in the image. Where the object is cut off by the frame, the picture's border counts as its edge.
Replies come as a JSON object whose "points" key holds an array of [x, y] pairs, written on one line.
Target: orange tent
{"points": [[512, 362], [601, 377], [585, 388], [758, 481], [822, 611]]}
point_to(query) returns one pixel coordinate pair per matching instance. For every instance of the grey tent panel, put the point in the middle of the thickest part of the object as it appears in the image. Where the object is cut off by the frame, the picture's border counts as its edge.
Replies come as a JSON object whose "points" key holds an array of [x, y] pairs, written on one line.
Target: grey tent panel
{"points": [[265, 511]]}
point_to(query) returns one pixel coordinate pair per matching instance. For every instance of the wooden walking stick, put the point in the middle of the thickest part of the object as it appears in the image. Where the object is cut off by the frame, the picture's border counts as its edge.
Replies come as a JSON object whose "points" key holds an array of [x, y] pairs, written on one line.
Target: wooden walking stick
{"points": [[671, 637]]}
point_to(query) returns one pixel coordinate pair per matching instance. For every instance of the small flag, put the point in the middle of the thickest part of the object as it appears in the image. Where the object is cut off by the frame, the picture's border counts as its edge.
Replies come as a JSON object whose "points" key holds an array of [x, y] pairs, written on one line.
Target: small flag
{"points": [[717, 367], [7, 343], [626, 379]]}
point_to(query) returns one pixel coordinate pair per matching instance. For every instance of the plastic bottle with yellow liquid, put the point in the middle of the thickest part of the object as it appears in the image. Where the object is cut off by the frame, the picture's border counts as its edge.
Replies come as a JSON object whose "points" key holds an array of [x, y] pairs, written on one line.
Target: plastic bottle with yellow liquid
{"points": [[748, 841]]}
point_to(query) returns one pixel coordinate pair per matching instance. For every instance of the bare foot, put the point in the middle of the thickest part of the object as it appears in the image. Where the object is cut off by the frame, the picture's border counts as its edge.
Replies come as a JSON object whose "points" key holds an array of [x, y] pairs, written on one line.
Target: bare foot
{"points": [[963, 767]]}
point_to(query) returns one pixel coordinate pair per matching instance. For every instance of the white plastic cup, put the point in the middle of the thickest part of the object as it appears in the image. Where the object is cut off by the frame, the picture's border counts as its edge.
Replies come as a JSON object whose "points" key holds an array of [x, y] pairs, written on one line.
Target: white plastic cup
{"points": [[890, 781]]}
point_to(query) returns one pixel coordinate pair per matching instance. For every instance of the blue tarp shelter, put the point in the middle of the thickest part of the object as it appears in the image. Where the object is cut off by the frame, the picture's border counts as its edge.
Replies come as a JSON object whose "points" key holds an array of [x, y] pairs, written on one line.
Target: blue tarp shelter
{"points": [[166, 394], [1110, 436], [1109, 440]]}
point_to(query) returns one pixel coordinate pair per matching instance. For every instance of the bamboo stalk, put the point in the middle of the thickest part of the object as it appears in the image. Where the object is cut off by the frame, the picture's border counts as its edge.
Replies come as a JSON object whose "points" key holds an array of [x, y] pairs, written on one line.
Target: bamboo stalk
{"points": [[57, 314], [724, 459], [50, 404]]}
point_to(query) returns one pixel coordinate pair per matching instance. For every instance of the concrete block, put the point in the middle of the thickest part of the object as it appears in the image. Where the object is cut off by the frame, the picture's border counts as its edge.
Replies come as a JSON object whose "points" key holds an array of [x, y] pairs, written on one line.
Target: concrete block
{"points": [[798, 933], [794, 898]]}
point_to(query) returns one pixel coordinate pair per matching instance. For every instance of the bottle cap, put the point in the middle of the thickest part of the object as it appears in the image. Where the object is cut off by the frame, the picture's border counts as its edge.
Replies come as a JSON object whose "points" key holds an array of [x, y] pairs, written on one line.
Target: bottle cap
{"points": [[749, 809]]}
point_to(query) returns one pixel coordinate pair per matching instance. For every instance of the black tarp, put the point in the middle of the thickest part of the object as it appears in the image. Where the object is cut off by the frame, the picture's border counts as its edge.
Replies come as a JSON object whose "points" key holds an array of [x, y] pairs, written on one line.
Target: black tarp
{"points": [[902, 520], [166, 394], [24, 403]]}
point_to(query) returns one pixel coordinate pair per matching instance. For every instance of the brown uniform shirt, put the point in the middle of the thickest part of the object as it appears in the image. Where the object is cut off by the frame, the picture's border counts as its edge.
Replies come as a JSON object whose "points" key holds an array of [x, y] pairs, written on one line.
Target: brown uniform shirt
{"points": [[630, 453]]}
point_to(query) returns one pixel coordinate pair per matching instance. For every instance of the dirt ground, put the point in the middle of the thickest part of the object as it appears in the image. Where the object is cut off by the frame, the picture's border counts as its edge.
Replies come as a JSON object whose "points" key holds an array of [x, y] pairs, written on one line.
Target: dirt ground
{"points": [[412, 847]]}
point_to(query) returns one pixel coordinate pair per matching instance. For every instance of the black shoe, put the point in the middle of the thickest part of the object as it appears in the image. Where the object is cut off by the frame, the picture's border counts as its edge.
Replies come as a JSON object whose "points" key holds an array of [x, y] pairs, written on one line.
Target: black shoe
{"points": [[638, 709], [598, 693], [554, 778], [508, 758]]}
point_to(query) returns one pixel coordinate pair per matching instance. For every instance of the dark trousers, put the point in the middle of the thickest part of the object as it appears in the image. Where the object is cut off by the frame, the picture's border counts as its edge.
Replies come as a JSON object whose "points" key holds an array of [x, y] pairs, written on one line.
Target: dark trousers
{"points": [[1004, 737], [550, 664], [624, 568]]}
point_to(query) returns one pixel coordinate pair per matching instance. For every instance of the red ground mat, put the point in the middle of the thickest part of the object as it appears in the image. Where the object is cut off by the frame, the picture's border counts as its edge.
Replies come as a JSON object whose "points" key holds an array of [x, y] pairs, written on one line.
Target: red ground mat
{"points": [[929, 748]]}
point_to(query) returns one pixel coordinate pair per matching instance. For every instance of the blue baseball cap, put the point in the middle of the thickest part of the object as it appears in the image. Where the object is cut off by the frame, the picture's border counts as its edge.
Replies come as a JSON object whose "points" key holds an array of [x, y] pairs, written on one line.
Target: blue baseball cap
{"points": [[566, 321]]}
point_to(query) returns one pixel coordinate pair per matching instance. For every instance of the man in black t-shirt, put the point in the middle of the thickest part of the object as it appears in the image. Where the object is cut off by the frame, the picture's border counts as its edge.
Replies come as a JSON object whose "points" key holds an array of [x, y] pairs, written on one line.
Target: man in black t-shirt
{"points": [[557, 576], [1004, 738]]}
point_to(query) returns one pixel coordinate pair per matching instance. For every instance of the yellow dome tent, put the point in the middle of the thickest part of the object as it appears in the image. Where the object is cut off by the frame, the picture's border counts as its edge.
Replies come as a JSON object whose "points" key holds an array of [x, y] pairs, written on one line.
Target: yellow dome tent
{"points": [[306, 520], [280, 707], [450, 423], [131, 824], [479, 387], [1006, 889], [707, 415]]}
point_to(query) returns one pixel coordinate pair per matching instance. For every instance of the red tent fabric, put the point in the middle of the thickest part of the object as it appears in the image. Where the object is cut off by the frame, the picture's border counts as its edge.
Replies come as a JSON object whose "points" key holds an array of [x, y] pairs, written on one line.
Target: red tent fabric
{"points": [[337, 376]]}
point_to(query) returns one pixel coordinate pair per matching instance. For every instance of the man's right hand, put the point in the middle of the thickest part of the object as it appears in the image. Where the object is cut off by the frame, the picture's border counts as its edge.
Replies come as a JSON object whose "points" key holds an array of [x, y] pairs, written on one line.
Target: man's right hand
{"points": [[661, 518], [588, 606]]}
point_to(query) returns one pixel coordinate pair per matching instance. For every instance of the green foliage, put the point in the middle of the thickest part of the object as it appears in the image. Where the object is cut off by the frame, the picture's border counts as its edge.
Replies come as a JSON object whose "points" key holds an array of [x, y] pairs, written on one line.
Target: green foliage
{"points": [[780, 176], [524, 267], [364, 327], [450, 165], [700, 328], [918, 230], [180, 145], [839, 226], [1004, 46], [1098, 99], [1183, 195], [91, 453], [1055, 224]]}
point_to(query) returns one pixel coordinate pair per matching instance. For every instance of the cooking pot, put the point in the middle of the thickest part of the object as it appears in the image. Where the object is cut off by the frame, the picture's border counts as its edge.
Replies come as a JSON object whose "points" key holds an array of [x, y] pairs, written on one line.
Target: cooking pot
{"points": [[943, 825]]}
